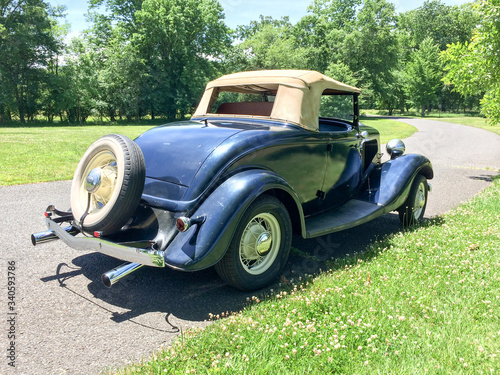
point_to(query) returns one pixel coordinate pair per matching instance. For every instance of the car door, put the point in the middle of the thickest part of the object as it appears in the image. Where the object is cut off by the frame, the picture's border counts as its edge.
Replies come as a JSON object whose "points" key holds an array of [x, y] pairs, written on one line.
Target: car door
{"points": [[344, 167]]}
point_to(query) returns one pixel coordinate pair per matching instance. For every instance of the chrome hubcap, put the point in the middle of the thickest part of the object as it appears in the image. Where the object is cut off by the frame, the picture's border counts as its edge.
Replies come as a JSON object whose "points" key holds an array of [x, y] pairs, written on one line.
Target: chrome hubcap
{"points": [[260, 243], [93, 180], [100, 180], [263, 244]]}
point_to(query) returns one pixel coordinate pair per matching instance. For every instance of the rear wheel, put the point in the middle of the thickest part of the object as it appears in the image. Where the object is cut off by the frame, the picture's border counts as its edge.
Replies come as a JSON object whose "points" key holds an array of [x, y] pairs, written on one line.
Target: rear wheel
{"points": [[260, 246], [412, 211], [108, 184]]}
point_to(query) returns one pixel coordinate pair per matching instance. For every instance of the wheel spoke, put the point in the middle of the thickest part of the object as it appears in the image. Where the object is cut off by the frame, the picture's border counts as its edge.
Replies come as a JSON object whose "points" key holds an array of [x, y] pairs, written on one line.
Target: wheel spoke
{"points": [[259, 244]]}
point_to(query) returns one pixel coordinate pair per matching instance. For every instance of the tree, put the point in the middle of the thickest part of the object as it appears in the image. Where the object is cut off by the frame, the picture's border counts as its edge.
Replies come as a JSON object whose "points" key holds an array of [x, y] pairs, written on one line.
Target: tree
{"points": [[444, 24], [27, 43], [371, 49], [81, 73], [474, 67], [268, 44], [323, 31], [423, 75], [181, 42]]}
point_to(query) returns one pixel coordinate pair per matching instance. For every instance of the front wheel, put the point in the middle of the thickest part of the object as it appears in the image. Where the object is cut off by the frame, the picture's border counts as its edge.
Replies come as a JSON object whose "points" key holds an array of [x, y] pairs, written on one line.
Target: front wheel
{"points": [[412, 211], [260, 246]]}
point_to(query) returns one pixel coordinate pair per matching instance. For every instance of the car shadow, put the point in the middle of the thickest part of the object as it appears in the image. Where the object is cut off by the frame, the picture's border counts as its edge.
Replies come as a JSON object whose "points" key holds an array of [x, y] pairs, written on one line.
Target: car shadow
{"points": [[485, 177], [198, 295]]}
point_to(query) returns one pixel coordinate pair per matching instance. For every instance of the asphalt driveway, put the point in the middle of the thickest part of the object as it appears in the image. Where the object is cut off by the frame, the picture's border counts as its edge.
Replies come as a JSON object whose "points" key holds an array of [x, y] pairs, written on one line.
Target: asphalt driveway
{"points": [[67, 322]]}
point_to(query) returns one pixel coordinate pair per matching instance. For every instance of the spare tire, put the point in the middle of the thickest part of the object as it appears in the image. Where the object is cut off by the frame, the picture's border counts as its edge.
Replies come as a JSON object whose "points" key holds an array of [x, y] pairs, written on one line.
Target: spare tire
{"points": [[108, 181]]}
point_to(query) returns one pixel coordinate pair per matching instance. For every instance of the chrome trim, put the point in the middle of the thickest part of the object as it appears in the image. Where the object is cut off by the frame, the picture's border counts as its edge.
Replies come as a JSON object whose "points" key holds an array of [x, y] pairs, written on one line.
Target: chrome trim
{"points": [[147, 257], [363, 134], [50, 235], [93, 180], [113, 276], [395, 148]]}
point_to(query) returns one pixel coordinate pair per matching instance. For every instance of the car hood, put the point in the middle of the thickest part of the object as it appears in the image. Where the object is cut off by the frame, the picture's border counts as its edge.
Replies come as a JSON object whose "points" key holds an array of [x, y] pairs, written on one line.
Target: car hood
{"points": [[175, 152]]}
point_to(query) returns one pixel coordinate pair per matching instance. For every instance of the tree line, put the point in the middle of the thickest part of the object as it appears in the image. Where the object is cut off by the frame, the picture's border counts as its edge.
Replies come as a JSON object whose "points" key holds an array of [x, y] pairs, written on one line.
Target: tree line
{"points": [[152, 58]]}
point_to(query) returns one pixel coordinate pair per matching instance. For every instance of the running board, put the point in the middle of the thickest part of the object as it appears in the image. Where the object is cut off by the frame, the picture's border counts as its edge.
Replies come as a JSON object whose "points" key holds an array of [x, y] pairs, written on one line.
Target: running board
{"points": [[353, 213]]}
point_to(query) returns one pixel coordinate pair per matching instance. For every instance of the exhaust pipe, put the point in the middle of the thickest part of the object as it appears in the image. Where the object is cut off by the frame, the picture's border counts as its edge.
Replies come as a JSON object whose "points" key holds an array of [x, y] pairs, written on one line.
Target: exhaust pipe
{"points": [[112, 277], [50, 235]]}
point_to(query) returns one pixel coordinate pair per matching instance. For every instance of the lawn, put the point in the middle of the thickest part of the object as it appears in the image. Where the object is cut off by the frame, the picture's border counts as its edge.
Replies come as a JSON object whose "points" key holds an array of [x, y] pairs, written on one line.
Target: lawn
{"points": [[38, 154], [389, 129], [49, 153], [425, 300]]}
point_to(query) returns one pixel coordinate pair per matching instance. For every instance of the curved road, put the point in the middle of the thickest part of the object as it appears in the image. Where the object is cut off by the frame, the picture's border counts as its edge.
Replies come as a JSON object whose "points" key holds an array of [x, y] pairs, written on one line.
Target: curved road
{"points": [[69, 323]]}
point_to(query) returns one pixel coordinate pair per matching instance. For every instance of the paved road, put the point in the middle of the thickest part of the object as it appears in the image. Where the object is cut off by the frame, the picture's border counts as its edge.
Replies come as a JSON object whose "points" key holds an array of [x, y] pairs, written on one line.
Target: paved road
{"points": [[69, 323]]}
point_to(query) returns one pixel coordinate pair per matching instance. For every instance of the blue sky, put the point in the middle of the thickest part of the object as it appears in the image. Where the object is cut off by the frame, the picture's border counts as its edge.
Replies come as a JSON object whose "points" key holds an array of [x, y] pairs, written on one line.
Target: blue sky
{"points": [[238, 12]]}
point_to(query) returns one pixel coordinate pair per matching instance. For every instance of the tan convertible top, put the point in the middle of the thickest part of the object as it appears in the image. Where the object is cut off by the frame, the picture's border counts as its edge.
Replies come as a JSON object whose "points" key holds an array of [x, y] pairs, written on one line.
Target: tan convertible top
{"points": [[298, 93]]}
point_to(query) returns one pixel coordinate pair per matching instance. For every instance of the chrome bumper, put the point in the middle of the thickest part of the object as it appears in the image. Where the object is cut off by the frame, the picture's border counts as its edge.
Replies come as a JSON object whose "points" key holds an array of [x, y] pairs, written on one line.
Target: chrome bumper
{"points": [[147, 257]]}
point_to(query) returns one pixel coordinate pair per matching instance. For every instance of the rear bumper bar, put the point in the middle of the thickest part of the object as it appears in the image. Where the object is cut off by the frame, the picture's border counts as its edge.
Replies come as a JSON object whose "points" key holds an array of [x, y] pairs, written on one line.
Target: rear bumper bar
{"points": [[147, 257]]}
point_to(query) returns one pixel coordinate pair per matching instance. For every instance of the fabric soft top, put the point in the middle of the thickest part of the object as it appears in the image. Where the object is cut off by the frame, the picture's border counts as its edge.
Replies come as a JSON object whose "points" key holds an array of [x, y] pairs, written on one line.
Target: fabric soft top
{"points": [[298, 93]]}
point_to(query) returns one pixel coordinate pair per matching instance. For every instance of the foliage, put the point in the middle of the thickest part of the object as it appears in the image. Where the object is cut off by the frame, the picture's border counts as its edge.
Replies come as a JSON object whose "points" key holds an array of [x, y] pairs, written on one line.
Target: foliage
{"points": [[153, 57], [474, 67], [269, 44], [180, 41], [423, 75], [444, 24], [28, 42], [371, 49]]}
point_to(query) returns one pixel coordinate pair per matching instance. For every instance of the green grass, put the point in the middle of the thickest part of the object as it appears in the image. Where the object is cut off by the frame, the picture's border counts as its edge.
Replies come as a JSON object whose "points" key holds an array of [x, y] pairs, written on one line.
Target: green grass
{"points": [[426, 300], [389, 129], [50, 153], [37, 154]]}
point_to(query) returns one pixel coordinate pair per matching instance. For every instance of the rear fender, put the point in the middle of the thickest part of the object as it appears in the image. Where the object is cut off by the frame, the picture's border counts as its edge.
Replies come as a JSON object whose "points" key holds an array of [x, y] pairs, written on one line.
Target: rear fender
{"points": [[203, 245]]}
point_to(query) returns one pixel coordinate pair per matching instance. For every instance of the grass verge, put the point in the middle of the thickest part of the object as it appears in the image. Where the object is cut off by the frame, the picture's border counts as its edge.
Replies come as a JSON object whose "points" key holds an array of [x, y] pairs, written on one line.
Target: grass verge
{"points": [[39, 154], [422, 301], [51, 153], [389, 129]]}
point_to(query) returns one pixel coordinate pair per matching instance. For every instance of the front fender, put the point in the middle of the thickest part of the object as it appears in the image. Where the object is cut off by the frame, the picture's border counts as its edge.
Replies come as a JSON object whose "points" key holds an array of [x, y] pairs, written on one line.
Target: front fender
{"points": [[203, 245], [396, 176]]}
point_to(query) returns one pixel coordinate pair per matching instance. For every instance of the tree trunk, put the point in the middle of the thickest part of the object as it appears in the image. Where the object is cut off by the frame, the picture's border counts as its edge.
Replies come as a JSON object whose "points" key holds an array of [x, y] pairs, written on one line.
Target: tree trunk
{"points": [[20, 106], [422, 113], [112, 115]]}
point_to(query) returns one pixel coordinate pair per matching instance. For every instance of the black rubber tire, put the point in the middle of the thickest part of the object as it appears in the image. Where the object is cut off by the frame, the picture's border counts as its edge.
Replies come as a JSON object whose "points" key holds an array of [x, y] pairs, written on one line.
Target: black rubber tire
{"points": [[125, 183], [231, 268], [407, 213]]}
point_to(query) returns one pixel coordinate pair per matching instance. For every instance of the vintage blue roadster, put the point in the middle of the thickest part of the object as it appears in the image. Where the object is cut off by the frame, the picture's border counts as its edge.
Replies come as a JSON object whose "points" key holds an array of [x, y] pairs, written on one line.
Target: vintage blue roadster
{"points": [[265, 155]]}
